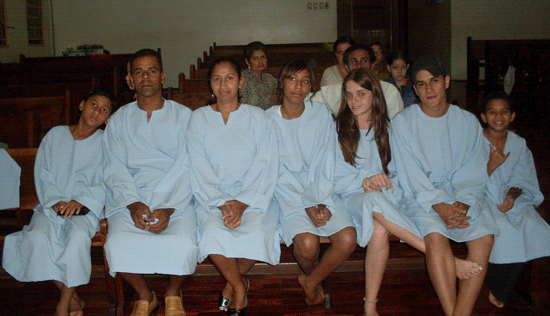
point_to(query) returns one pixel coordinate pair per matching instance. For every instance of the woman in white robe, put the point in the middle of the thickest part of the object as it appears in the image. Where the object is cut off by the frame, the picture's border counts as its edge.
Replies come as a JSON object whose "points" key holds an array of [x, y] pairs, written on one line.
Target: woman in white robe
{"points": [[305, 189], [56, 244], [234, 160]]}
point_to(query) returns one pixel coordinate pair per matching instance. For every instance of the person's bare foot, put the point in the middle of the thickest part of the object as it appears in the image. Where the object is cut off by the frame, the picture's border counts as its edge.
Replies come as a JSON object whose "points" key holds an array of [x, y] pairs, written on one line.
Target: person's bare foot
{"points": [[494, 301], [370, 308], [466, 269], [75, 306], [313, 296]]}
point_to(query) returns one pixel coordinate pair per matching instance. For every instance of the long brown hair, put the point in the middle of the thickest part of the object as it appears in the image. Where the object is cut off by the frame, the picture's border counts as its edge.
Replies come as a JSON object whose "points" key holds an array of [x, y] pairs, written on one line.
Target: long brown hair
{"points": [[346, 123]]}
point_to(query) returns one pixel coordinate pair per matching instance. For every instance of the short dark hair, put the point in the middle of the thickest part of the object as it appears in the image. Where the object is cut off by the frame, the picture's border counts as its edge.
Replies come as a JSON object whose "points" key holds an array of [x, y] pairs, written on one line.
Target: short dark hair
{"points": [[498, 95], [355, 47], [252, 47], [144, 53], [291, 68], [104, 93], [342, 40]]}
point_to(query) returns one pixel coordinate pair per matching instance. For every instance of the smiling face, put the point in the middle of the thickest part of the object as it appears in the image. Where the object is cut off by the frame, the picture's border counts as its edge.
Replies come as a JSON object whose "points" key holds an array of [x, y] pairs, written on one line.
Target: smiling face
{"points": [[296, 87], [95, 110], [359, 100], [498, 115], [225, 83], [398, 70], [147, 76], [257, 62], [432, 92]]}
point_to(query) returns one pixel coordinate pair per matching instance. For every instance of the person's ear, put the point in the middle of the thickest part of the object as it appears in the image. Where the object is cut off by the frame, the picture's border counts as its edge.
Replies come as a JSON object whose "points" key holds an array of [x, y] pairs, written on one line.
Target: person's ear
{"points": [[247, 63], [483, 118], [162, 78], [447, 82], [81, 106], [513, 117]]}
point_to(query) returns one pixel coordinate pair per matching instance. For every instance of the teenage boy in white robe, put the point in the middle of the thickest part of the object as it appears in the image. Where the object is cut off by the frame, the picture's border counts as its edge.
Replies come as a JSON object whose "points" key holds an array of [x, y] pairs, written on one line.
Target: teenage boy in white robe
{"points": [[437, 149], [152, 224]]}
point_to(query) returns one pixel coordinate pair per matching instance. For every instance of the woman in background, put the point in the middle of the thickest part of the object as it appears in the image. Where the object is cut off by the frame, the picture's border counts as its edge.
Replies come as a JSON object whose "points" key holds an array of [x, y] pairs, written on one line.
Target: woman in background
{"points": [[335, 74], [259, 86]]}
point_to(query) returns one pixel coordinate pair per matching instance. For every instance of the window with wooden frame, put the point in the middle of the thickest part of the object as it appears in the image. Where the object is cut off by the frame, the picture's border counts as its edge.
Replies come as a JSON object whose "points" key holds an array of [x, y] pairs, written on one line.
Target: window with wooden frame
{"points": [[3, 26], [34, 22]]}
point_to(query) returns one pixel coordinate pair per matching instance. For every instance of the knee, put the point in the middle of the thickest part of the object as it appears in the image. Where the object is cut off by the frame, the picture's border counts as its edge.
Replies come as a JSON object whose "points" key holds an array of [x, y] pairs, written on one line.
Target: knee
{"points": [[436, 244], [346, 239], [306, 246], [379, 232]]}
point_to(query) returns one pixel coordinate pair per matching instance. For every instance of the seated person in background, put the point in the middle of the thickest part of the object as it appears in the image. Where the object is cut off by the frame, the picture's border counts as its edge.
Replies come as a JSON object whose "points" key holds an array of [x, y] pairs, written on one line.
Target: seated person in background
{"points": [[358, 56], [259, 86], [309, 209], [152, 223], [234, 162], [335, 74], [512, 194], [67, 171], [398, 66], [379, 65], [440, 165]]}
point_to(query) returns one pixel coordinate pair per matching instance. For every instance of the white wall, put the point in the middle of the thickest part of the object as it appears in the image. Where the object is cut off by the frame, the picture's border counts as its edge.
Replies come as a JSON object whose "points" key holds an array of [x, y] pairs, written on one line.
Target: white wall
{"points": [[16, 16], [490, 19], [183, 29]]}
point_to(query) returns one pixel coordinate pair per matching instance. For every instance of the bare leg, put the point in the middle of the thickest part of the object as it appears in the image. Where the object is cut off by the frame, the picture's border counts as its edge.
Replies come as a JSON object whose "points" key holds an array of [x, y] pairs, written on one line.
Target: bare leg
{"points": [[465, 269], [341, 246], [376, 259], [441, 269], [67, 305], [494, 301], [229, 269], [244, 266], [174, 286], [140, 286], [478, 251]]}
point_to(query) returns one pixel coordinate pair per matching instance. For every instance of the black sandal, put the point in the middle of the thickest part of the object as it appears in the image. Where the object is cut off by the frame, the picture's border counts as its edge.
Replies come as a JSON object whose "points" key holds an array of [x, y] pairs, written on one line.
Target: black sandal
{"points": [[236, 312]]}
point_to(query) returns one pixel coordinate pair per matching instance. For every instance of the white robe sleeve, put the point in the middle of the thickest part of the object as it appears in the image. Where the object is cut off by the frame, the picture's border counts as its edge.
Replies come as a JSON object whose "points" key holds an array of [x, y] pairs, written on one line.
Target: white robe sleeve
{"points": [[46, 186], [93, 195], [120, 184], [260, 180], [524, 177], [394, 102], [417, 183]]}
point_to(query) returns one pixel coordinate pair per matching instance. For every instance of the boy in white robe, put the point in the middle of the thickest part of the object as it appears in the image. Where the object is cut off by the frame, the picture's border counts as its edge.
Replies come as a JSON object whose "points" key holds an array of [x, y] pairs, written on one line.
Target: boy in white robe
{"points": [[152, 224], [439, 160], [512, 194], [67, 171]]}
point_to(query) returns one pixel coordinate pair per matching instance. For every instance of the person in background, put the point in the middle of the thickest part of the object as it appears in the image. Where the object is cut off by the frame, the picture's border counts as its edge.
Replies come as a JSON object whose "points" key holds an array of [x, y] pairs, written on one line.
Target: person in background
{"points": [[336, 73], [379, 65], [234, 162], [69, 184], [259, 87], [398, 67], [512, 194]]}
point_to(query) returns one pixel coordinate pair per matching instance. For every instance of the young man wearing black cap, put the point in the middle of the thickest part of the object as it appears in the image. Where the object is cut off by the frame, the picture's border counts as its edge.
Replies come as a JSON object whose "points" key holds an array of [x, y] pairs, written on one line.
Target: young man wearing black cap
{"points": [[437, 149]]}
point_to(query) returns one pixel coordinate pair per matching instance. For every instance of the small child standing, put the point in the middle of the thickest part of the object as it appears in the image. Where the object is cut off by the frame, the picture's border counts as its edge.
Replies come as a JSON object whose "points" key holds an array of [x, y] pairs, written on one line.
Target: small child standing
{"points": [[68, 178], [512, 193]]}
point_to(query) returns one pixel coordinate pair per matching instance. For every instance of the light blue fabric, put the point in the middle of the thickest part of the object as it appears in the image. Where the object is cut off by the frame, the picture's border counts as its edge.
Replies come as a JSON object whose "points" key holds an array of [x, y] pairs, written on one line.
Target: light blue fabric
{"points": [[440, 160], [147, 161], [52, 247], [235, 161], [524, 235], [362, 204], [10, 179], [307, 153]]}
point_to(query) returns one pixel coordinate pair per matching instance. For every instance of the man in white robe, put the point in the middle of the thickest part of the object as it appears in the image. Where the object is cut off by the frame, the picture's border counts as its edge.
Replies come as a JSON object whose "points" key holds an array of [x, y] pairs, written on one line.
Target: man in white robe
{"points": [[152, 224], [358, 56], [437, 149]]}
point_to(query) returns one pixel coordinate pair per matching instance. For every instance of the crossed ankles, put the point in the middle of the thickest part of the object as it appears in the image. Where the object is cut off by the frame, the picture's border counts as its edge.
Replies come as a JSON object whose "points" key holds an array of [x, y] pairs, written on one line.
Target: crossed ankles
{"points": [[145, 308], [313, 297], [235, 311]]}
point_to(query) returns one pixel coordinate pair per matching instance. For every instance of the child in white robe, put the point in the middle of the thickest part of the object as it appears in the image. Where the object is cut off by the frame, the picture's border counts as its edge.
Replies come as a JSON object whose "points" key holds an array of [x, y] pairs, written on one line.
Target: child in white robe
{"points": [[512, 194], [305, 189], [56, 244], [234, 162]]}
